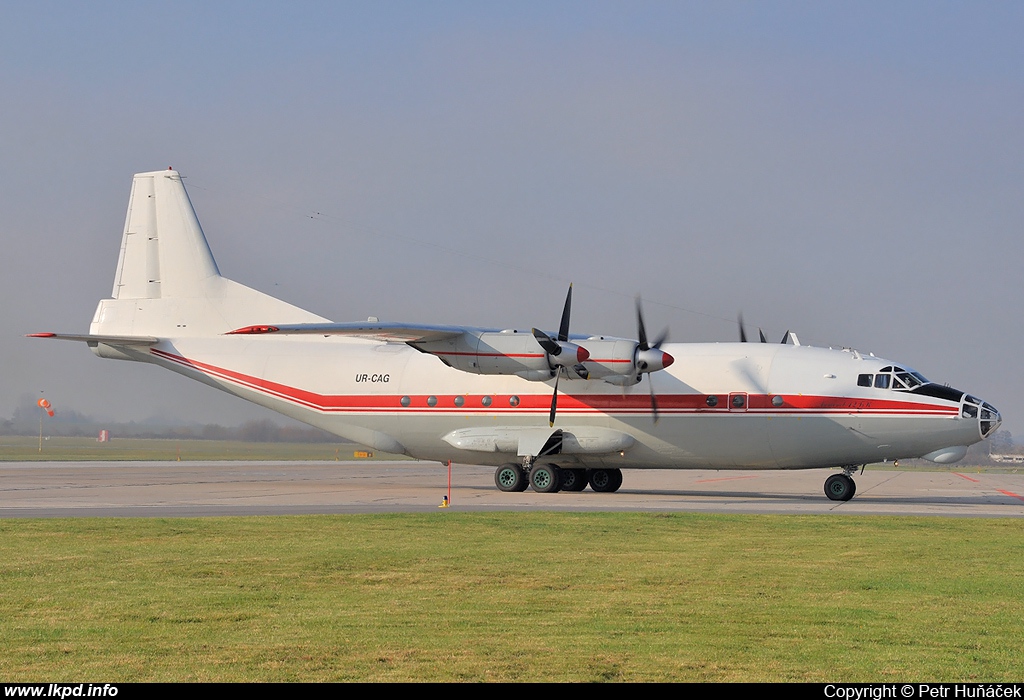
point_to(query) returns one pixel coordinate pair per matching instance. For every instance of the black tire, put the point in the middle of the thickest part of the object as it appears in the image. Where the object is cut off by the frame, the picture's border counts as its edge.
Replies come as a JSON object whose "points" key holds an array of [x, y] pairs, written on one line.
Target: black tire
{"points": [[606, 480], [574, 479], [510, 478], [545, 478], [840, 487]]}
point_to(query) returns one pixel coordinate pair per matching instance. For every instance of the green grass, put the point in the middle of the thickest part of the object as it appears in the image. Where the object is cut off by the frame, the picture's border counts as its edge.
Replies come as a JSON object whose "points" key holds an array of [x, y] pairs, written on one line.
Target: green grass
{"points": [[451, 596], [64, 449]]}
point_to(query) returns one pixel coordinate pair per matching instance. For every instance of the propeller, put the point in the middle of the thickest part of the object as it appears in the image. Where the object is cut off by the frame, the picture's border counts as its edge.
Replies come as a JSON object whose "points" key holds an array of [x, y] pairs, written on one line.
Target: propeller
{"points": [[743, 331], [562, 354], [649, 357], [787, 338]]}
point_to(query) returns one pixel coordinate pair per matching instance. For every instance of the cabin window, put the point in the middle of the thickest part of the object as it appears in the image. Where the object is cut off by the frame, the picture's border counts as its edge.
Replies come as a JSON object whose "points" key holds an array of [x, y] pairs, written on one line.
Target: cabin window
{"points": [[406, 401], [865, 379], [711, 401], [739, 401], [431, 401], [513, 401], [486, 401], [459, 401], [777, 401]]}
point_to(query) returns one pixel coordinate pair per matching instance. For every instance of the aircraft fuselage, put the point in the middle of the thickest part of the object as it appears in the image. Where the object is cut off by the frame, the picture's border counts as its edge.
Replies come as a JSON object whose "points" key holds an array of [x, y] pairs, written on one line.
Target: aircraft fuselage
{"points": [[721, 405]]}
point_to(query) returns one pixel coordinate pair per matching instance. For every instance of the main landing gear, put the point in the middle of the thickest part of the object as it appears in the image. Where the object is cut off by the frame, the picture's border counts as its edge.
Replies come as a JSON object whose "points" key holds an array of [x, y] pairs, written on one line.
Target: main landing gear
{"points": [[510, 478], [548, 478], [841, 487]]}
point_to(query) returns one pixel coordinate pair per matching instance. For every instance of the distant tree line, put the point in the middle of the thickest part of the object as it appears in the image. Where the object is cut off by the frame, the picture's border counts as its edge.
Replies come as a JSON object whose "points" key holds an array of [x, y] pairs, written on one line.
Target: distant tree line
{"points": [[251, 431], [70, 423]]}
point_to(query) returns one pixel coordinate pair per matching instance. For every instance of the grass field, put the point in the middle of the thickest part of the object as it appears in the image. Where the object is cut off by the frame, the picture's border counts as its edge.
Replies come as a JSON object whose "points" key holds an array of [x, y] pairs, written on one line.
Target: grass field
{"points": [[451, 596]]}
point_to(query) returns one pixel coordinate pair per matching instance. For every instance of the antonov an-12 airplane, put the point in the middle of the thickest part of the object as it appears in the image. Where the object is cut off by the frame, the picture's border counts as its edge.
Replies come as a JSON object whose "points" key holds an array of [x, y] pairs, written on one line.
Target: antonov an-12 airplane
{"points": [[550, 410]]}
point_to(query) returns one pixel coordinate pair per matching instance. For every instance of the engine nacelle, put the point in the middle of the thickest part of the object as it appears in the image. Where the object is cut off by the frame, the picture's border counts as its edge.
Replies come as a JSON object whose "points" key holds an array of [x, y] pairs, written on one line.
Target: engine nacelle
{"points": [[510, 352], [536, 375], [493, 352], [622, 362], [623, 379], [609, 357]]}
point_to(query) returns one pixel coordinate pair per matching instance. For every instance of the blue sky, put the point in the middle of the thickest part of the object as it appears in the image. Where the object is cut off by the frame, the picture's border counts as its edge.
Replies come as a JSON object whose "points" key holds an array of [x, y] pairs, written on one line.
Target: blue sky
{"points": [[852, 171]]}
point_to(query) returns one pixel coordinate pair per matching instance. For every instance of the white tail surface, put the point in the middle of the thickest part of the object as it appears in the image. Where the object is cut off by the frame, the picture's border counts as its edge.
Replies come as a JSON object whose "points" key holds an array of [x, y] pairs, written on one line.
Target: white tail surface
{"points": [[167, 283]]}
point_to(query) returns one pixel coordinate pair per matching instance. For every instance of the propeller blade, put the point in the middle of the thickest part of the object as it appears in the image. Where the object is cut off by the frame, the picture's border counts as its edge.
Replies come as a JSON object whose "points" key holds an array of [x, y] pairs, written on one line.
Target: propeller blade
{"points": [[554, 402], [550, 346], [654, 401], [650, 358], [641, 332], [563, 327], [761, 333], [743, 332], [660, 339]]}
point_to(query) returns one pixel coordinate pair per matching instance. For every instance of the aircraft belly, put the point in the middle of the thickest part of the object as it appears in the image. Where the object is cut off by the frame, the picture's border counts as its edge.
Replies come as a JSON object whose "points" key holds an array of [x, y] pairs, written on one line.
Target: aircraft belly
{"points": [[709, 441], [820, 441]]}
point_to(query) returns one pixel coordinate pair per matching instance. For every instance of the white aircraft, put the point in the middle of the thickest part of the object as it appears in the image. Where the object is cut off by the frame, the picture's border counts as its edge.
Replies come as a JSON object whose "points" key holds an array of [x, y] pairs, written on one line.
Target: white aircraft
{"points": [[554, 411]]}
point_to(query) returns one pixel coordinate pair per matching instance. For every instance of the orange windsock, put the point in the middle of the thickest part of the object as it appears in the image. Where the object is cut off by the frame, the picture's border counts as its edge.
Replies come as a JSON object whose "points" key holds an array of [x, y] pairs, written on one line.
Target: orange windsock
{"points": [[43, 403]]}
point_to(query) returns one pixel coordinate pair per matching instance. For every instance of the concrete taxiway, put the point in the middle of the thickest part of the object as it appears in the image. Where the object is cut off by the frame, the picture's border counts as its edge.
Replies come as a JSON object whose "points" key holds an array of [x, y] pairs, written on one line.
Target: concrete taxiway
{"points": [[171, 489]]}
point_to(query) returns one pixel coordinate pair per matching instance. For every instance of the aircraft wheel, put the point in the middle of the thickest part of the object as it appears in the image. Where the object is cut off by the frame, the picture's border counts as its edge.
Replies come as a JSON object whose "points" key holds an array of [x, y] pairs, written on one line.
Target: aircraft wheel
{"points": [[574, 479], [840, 487], [606, 480], [545, 478], [510, 478]]}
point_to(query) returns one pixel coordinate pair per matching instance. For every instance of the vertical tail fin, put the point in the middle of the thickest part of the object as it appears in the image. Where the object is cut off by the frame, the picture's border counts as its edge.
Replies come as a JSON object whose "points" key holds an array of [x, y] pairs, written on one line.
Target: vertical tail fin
{"points": [[167, 282], [164, 252]]}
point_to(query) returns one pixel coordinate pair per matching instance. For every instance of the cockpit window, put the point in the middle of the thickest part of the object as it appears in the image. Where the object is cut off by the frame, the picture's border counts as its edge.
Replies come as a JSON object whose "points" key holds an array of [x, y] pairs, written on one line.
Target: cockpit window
{"points": [[894, 378], [908, 380]]}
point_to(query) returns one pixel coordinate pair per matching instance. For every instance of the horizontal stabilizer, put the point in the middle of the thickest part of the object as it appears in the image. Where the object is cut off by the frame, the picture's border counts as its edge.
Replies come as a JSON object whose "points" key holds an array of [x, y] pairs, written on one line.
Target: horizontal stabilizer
{"points": [[94, 340]]}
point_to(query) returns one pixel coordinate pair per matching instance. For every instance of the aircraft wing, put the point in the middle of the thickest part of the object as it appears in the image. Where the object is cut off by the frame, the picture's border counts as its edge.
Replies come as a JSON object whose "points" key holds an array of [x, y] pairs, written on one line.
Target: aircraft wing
{"points": [[370, 330], [94, 340]]}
